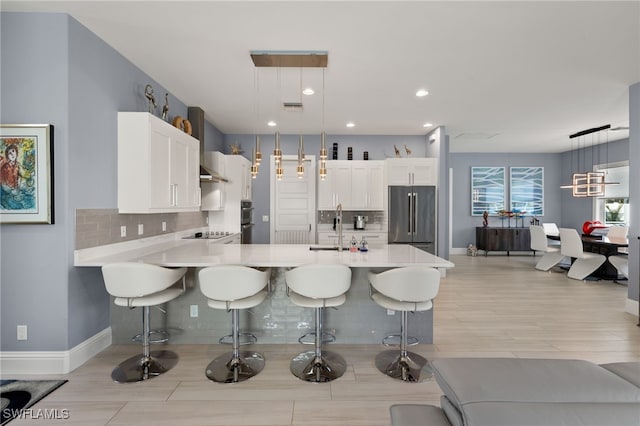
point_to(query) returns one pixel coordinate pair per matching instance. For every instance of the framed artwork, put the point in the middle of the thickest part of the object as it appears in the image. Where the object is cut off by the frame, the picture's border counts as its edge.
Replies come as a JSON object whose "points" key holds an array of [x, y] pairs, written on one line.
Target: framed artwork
{"points": [[527, 190], [26, 173], [487, 190]]}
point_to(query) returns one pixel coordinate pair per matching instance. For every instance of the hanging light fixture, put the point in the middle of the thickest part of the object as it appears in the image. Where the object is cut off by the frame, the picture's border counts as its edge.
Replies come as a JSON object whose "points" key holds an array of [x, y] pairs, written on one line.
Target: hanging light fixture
{"points": [[254, 164], [322, 171], [277, 157], [301, 60], [258, 158], [587, 183], [300, 168]]}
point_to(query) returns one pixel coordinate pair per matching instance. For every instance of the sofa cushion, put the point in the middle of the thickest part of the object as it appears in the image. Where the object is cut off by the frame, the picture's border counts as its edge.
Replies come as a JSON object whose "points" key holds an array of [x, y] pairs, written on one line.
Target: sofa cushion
{"points": [[551, 414], [629, 371], [471, 380], [417, 415]]}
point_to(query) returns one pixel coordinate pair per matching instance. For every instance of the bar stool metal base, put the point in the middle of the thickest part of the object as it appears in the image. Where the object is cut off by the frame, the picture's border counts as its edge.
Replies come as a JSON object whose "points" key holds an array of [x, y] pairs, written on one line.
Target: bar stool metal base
{"points": [[227, 369], [139, 368], [409, 368], [308, 367]]}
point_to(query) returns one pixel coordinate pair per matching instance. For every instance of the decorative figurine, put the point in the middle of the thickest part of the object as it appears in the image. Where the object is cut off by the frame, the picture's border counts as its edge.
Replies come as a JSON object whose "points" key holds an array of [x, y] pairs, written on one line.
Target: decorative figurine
{"points": [[485, 218], [236, 149], [165, 108], [148, 93], [397, 151], [407, 150]]}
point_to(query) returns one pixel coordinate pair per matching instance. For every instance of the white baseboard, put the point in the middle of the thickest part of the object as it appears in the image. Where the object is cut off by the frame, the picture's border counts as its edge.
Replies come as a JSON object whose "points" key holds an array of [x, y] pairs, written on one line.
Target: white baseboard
{"points": [[459, 250], [631, 307], [54, 362]]}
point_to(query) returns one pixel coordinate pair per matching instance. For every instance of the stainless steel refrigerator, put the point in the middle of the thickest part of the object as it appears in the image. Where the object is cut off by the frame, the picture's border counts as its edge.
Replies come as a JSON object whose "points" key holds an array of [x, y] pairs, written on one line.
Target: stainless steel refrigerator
{"points": [[412, 216]]}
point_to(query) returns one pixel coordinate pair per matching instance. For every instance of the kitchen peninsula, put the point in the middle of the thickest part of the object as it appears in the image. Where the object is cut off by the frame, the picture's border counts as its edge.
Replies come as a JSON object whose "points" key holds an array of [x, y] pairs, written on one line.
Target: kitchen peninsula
{"points": [[276, 320]]}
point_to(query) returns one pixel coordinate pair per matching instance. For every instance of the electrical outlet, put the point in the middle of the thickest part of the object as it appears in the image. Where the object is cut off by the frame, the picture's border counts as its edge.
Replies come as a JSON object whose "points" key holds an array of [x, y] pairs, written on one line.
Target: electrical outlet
{"points": [[164, 226], [123, 231], [140, 229], [265, 218], [391, 312], [22, 332], [193, 311]]}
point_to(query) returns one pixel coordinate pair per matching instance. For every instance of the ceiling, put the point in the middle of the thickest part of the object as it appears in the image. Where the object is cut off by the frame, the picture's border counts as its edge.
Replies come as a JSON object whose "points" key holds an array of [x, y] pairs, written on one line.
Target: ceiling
{"points": [[502, 76]]}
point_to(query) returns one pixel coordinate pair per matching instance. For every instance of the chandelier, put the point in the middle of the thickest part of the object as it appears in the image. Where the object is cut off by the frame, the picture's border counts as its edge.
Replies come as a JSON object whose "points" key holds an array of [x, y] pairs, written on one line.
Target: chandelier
{"points": [[587, 183]]}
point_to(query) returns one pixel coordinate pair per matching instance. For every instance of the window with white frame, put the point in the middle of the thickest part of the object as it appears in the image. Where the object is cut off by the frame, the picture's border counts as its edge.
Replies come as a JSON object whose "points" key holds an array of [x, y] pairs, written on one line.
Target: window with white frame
{"points": [[613, 208]]}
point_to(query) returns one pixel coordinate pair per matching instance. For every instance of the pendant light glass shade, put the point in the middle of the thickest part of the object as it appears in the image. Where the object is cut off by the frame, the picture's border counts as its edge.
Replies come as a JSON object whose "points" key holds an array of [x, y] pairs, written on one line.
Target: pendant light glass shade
{"points": [[254, 165], [258, 154], [277, 157]]}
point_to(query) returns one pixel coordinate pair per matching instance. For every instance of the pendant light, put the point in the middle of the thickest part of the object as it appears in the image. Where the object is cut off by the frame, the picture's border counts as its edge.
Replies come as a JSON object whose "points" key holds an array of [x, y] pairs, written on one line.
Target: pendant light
{"points": [[277, 156], [322, 172], [587, 183], [300, 168], [254, 164]]}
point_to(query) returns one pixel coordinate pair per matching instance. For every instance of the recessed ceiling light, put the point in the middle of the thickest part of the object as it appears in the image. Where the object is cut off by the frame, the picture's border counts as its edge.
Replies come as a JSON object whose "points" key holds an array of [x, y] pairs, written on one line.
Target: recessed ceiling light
{"points": [[421, 93], [272, 123], [308, 91], [350, 124], [427, 125]]}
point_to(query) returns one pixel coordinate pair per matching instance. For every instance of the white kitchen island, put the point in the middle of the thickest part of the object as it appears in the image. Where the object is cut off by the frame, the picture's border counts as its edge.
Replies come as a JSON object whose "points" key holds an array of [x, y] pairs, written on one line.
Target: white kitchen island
{"points": [[276, 320]]}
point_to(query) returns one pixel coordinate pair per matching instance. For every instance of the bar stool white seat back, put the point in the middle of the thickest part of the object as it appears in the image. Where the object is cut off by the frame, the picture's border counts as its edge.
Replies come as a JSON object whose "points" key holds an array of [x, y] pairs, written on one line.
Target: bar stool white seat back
{"points": [[231, 288], [318, 286], [406, 289], [143, 285]]}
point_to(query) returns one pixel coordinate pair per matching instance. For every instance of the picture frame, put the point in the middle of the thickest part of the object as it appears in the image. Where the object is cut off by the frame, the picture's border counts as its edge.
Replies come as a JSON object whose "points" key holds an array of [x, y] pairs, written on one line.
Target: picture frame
{"points": [[487, 190], [527, 190], [26, 173]]}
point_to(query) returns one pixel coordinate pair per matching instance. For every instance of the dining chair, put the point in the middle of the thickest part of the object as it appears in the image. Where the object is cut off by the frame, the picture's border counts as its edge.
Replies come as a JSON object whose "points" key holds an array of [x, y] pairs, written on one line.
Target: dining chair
{"points": [[618, 232], [551, 255], [585, 262], [619, 261]]}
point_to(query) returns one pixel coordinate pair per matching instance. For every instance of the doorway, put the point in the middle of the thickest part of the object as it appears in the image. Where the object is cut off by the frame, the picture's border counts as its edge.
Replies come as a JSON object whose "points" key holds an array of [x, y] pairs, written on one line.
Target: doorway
{"points": [[293, 202]]}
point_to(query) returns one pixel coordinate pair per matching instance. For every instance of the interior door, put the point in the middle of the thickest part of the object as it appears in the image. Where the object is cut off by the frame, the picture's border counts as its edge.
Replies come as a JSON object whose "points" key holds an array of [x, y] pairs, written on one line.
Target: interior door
{"points": [[293, 208]]}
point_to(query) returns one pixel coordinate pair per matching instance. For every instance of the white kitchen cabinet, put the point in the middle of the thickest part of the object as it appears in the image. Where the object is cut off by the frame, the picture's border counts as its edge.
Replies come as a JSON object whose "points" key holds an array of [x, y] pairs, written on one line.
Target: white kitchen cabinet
{"points": [[158, 166], [238, 171], [336, 187], [367, 185], [214, 193], [357, 185], [411, 171]]}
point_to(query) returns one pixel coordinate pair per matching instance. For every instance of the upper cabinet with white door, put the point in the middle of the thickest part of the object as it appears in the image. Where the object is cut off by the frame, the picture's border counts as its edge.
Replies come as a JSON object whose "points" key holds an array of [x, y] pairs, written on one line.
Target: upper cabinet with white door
{"points": [[412, 171], [367, 183], [357, 185], [238, 170], [336, 187], [158, 166]]}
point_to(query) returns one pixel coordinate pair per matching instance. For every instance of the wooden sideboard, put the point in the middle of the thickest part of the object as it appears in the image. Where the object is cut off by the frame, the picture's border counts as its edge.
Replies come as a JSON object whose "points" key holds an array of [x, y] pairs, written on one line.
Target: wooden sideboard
{"points": [[503, 239]]}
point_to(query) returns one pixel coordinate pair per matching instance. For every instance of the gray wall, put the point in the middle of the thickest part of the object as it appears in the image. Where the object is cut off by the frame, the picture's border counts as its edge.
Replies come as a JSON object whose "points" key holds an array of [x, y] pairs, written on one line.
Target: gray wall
{"points": [[58, 72], [464, 224]]}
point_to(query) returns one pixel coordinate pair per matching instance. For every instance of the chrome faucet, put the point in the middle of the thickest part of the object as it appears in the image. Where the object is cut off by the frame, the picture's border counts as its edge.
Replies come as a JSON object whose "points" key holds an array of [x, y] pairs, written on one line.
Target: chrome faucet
{"points": [[339, 225]]}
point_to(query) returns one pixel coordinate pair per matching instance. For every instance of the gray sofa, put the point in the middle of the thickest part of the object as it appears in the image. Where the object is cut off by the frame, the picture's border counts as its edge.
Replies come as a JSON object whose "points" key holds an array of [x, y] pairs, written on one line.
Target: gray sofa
{"points": [[528, 392]]}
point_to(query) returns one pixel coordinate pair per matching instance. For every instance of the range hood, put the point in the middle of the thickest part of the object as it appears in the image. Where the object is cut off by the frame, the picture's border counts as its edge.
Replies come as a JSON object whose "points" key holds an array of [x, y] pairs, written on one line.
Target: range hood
{"points": [[196, 118]]}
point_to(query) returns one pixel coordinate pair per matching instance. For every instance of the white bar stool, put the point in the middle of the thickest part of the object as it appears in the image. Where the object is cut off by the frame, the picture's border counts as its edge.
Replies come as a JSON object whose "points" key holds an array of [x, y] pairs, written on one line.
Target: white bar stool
{"points": [[407, 289], [143, 285], [234, 287], [318, 286]]}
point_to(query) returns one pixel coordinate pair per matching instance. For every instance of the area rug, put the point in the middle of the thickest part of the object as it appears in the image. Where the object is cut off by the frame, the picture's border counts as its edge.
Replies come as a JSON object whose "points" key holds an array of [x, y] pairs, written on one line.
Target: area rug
{"points": [[18, 395]]}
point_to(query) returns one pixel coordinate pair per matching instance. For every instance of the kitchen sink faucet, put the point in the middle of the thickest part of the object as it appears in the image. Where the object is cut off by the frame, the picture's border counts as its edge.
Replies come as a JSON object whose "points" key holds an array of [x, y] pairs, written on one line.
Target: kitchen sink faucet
{"points": [[339, 223]]}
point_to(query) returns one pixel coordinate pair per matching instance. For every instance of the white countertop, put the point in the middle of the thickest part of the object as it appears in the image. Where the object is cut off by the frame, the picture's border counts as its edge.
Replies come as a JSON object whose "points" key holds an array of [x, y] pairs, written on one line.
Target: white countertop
{"points": [[200, 253]]}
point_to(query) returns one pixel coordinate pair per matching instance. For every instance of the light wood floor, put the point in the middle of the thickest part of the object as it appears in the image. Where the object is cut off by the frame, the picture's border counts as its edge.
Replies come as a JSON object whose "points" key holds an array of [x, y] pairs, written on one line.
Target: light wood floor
{"points": [[487, 307]]}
